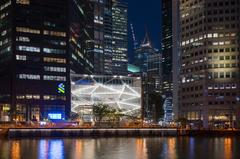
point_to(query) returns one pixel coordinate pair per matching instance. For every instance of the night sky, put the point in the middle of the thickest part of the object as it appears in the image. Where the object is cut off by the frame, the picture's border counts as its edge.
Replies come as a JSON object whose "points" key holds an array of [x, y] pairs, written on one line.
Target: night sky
{"points": [[142, 14]]}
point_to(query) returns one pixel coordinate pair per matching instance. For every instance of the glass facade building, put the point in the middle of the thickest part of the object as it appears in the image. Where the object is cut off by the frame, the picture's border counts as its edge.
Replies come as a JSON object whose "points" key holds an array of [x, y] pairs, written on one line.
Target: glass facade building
{"points": [[101, 44], [120, 38], [37, 53], [167, 48]]}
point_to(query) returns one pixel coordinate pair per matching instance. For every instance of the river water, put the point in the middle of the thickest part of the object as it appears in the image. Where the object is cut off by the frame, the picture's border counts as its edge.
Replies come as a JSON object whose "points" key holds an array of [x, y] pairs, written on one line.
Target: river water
{"points": [[122, 148]]}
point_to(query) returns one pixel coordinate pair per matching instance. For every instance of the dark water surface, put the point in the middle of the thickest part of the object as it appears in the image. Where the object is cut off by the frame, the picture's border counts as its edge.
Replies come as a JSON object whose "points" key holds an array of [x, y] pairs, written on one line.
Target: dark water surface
{"points": [[122, 148]]}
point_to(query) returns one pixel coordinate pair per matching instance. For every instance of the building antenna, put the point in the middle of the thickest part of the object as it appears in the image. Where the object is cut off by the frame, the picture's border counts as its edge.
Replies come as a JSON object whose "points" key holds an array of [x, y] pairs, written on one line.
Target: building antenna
{"points": [[147, 40], [135, 43]]}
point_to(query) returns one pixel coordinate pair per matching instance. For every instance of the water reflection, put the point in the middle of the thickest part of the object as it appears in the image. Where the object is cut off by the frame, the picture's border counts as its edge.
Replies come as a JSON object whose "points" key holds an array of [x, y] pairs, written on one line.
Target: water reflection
{"points": [[121, 148], [15, 150], [51, 149]]}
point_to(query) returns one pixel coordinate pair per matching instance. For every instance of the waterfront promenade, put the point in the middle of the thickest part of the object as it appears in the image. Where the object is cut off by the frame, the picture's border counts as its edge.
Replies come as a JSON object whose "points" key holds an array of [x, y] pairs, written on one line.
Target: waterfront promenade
{"points": [[121, 132]]}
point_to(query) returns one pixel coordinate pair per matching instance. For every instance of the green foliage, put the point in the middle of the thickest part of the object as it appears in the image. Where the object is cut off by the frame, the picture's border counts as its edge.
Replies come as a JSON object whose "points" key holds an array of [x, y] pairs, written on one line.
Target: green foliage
{"points": [[183, 121], [100, 111]]}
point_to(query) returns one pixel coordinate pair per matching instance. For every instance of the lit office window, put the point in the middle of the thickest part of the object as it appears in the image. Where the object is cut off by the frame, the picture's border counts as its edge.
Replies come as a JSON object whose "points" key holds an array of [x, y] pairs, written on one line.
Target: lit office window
{"points": [[54, 33], [54, 97], [54, 69], [54, 60], [28, 96], [21, 57], [56, 42], [54, 78], [23, 39], [27, 30], [28, 48], [53, 51], [25, 2], [29, 76]]}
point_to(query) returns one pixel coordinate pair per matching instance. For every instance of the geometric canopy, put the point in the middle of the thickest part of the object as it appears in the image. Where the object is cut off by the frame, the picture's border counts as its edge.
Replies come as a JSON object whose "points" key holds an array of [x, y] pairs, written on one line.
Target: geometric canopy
{"points": [[119, 92]]}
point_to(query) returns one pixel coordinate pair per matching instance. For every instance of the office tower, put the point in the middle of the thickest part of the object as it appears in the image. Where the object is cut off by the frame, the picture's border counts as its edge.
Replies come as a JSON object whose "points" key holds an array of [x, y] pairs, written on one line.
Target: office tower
{"points": [[120, 37], [170, 55], [176, 60], [148, 60], [154, 91], [167, 53], [167, 48], [40, 41], [210, 85], [102, 43], [108, 37], [81, 34]]}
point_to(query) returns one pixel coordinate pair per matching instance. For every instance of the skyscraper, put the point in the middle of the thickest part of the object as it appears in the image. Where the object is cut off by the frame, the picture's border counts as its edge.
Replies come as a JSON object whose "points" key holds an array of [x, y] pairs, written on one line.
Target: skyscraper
{"points": [[102, 43], [170, 56], [148, 60], [81, 34], [36, 57], [210, 85], [167, 48], [120, 37]]}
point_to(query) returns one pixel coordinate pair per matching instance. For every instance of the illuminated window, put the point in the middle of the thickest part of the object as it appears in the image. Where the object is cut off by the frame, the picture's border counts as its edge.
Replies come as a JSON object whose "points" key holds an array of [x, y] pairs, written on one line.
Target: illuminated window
{"points": [[54, 60], [27, 30], [53, 51], [54, 33], [54, 78], [54, 97], [28, 96], [54, 69], [55, 42], [29, 76], [23, 39], [25, 2], [28, 48], [21, 57]]}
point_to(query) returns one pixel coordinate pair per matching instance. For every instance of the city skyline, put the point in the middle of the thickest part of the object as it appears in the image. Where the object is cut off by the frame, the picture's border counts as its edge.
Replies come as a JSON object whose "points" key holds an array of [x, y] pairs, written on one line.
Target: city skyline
{"points": [[123, 79]]}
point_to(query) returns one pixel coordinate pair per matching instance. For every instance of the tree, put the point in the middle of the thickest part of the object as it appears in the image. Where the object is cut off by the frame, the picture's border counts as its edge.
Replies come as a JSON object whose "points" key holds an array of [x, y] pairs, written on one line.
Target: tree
{"points": [[100, 111], [114, 116], [183, 122]]}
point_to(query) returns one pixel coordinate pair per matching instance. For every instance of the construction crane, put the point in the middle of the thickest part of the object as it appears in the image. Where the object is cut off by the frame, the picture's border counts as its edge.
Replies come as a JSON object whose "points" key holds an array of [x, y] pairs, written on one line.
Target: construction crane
{"points": [[135, 43]]}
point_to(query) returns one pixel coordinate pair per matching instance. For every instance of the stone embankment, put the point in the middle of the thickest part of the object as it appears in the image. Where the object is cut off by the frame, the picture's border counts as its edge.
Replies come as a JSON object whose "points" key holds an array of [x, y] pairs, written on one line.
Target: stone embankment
{"points": [[59, 133]]}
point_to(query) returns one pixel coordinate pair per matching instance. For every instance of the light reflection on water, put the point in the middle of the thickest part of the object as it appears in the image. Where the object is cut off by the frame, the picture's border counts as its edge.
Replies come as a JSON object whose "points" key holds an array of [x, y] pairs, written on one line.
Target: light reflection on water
{"points": [[121, 148]]}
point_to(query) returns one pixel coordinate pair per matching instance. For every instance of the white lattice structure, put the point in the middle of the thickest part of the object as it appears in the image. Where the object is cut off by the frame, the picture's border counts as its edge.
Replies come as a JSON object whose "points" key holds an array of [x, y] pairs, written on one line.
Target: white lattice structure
{"points": [[116, 91]]}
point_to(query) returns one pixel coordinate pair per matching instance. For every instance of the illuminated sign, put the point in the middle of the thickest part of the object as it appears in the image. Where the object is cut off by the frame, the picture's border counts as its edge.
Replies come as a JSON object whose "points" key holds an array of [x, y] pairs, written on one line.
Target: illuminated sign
{"points": [[61, 88], [55, 116]]}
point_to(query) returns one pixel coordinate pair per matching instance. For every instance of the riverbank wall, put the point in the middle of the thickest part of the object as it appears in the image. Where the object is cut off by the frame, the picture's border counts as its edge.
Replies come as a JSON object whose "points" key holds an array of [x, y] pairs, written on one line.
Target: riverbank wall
{"points": [[61, 133], [95, 133]]}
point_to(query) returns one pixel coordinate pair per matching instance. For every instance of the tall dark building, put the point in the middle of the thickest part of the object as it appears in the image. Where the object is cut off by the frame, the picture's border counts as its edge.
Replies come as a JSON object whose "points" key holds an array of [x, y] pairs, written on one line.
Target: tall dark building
{"points": [[102, 43], [167, 48], [120, 37], [148, 60], [81, 34], [169, 58], [108, 46], [37, 52]]}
